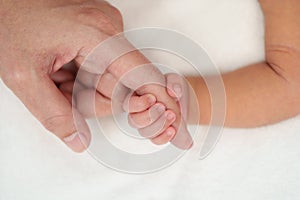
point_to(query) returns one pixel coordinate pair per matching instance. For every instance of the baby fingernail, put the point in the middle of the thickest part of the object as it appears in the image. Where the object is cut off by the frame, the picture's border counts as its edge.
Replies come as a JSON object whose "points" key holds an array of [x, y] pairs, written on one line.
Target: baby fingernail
{"points": [[170, 116], [170, 133]]}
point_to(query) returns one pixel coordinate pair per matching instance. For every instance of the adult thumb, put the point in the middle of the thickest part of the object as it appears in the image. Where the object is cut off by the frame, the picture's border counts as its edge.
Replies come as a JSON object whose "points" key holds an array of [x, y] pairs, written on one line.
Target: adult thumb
{"points": [[44, 100]]}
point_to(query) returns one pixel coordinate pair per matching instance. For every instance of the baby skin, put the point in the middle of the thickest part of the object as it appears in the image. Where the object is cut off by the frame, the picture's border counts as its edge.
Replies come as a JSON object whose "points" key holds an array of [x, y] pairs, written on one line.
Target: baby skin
{"points": [[164, 120], [256, 95]]}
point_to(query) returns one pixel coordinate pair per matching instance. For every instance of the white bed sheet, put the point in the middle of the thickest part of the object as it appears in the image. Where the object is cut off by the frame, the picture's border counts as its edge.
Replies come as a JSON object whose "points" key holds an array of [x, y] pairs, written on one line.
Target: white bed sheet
{"points": [[261, 163]]}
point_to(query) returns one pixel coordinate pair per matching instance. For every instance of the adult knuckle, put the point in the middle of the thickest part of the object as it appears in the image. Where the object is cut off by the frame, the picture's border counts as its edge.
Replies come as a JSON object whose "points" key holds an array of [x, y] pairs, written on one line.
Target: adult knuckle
{"points": [[96, 18], [118, 15]]}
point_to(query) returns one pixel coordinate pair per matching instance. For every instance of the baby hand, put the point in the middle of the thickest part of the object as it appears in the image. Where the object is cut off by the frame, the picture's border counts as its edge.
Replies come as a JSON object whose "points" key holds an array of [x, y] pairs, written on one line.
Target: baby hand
{"points": [[155, 122]]}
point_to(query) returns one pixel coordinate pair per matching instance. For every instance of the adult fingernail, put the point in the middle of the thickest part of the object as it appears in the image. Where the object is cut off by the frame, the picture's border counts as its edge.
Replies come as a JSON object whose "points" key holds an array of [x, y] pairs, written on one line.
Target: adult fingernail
{"points": [[70, 138], [83, 139], [178, 90], [75, 139]]}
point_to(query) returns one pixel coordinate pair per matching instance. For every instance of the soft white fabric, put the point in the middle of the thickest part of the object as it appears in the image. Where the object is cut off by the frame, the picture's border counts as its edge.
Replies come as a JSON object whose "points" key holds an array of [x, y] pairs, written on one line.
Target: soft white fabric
{"points": [[260, 163]]}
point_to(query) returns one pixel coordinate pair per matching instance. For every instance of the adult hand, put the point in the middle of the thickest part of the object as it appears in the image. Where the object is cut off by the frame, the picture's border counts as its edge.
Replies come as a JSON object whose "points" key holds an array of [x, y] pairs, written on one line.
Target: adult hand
{"points": [[37, 39]]}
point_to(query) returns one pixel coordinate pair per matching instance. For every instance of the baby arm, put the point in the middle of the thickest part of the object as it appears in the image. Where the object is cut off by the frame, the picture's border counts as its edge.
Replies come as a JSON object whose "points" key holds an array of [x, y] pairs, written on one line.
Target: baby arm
{"points": [[267, 92]]}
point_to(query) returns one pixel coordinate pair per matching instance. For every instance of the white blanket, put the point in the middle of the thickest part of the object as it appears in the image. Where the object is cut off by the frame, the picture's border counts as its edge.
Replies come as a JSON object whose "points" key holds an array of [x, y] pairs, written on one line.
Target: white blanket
{"points": [[262, 163]]}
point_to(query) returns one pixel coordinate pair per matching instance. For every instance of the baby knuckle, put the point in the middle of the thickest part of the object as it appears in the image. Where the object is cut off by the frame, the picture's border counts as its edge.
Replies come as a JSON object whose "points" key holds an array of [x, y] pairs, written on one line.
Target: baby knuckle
{"points": [[139, 121], [143, 121], [138, 103], [148, 119]]}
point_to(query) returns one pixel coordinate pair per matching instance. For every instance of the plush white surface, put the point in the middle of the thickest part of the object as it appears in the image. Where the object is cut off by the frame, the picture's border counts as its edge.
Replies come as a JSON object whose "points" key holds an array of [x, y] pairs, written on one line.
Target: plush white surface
{"points": [[260, 163]]}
